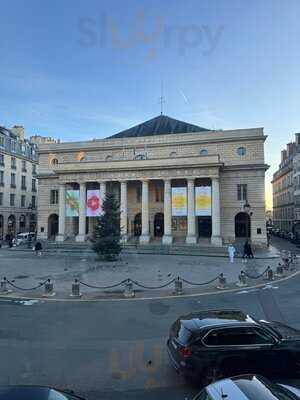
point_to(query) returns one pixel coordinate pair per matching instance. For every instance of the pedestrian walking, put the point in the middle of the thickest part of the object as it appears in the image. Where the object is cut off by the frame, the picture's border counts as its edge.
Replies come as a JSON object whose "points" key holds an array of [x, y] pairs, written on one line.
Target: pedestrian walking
{"points": [[38, 248], [10, 242], [231, 253], [250, 252], [245, 252]]}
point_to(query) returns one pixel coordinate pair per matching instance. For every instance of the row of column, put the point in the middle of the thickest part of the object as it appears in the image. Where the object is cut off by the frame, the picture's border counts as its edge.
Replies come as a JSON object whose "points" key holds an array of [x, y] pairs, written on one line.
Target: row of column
{"points": [[145, 236]]}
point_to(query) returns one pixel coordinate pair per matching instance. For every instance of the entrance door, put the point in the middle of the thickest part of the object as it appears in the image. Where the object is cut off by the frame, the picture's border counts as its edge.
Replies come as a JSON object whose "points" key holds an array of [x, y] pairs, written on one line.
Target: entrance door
{"points": [[204, 226], [52, 226], [159, 224], [137, 225], [242, 225]]}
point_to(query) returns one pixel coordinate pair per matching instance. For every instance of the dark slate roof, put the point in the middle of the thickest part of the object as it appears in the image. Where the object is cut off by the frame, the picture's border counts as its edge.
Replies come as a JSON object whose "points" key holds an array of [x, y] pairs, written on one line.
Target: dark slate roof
{"points": [[161, 125], [7, 132]]}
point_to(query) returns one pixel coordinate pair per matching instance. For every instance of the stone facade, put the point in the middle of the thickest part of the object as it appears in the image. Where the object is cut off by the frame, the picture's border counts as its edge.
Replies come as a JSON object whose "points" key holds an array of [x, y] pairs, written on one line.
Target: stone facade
{"points": [[286, 189], [18, 183], [143, 170]]}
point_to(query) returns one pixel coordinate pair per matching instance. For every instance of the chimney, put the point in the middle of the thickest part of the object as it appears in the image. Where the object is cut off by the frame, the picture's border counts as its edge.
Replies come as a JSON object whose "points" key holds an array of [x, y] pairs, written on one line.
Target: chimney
{"points": [[290, 149], [283, 155], [19, 131]]}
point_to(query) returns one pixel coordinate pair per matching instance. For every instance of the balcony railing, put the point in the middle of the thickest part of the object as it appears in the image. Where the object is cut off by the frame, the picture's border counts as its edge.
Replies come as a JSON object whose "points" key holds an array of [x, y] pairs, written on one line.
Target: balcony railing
{"points": [[23, 187], [13, 185]]}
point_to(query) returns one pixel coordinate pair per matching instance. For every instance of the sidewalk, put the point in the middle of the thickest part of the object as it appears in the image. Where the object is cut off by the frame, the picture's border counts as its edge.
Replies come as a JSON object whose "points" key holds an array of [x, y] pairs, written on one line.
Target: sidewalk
{"points": [[28, 270]]}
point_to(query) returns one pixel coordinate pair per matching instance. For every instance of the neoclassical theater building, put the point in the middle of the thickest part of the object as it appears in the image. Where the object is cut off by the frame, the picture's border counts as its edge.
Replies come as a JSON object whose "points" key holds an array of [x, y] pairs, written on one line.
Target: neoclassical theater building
{"points": [[175, 182]]}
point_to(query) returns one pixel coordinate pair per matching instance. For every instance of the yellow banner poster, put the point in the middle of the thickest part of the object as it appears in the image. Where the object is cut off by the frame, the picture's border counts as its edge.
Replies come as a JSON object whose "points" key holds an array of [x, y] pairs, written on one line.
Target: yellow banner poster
{"points": [[203, 201], [179, 202]]}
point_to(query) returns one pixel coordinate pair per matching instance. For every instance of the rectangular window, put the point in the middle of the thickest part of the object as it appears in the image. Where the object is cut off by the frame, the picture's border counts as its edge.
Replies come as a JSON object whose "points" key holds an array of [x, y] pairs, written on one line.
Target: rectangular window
{"points": [[24, 166], [138, 194], [13, 180], [34, 185], [2, 178], [13, 163], [2, 160], [23, 182], [33, 169], [1, 141], [23, 200], [33, 203], [242, 192], [1, 199], [54, 197], [12, 199], [13, 145]]}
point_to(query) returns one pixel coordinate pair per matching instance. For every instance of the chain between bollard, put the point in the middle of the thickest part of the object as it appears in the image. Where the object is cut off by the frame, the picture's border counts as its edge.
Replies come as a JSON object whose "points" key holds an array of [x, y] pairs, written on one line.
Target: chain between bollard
{"points": [[257, 276], [103, 287], [3, 287], [22, 288]]}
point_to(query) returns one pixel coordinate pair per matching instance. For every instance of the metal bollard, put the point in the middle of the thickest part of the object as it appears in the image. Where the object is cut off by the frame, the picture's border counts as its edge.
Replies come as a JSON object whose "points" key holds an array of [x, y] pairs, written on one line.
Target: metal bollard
{"points": [[75, 289], [178, 286], [49, 289], [242, 279], [3, 287], [279, 270], [222, 282], [128, 291]]}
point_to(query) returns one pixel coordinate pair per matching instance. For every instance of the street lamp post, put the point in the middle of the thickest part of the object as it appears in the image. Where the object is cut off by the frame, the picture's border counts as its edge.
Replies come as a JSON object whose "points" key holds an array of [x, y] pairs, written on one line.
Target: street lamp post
{"points": [[247, 209]]}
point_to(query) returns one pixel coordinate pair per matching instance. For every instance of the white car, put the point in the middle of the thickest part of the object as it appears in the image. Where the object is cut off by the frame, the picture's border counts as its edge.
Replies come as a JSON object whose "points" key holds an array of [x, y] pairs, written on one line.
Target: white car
{"points": [[24, 237], [248, 387]]}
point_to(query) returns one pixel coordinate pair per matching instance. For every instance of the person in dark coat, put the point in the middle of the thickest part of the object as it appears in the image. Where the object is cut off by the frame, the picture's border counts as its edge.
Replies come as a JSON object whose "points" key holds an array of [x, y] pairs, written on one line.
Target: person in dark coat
{"points": [[38, 248], [246, 251], [250, 252]]}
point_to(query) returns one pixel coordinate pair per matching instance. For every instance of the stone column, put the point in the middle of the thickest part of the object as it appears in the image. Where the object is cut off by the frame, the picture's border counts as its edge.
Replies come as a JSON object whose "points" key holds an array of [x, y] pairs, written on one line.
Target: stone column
{"points": [[82, 214], [216, 239], [191, 225], [145, 237], [62, 213], [123, 210], [167, 238], [102, 191]]}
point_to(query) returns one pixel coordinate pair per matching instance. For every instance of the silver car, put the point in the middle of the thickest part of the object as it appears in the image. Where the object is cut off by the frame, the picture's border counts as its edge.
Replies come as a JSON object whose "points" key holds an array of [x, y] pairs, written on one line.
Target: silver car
{"points": [[248, 387]]}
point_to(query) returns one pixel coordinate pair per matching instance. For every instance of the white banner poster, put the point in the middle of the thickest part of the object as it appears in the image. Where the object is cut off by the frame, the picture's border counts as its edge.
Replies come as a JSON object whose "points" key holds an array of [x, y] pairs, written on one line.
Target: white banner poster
{"points": [[203, 201], [179, 202], [93, 203]]}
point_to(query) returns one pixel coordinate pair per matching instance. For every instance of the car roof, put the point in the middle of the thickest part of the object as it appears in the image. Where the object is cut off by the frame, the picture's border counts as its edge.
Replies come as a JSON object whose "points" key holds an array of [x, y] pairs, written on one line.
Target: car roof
{"points": [[21, 392], [244, 387], [215, 318]]}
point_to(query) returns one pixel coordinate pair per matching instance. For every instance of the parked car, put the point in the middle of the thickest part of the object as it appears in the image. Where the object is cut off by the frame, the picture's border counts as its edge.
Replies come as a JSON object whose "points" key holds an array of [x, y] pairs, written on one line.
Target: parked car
{"points": [[24, 237], [212, 344], [248, 387], [35, 393]]}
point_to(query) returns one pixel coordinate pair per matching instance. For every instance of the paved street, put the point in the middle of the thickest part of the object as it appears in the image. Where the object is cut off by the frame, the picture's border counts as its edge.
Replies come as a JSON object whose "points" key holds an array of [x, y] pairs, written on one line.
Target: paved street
{"points": [[102, 348]]}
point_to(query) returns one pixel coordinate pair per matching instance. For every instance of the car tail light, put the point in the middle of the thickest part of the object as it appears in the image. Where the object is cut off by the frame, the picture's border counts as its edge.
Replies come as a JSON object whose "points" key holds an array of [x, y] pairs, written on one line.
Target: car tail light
{"points": [[185, 351]]}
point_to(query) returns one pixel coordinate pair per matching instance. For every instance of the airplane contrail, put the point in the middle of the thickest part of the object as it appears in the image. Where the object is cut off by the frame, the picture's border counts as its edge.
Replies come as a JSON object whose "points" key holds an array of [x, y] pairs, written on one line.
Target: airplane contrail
{"points": [[184, 96]]}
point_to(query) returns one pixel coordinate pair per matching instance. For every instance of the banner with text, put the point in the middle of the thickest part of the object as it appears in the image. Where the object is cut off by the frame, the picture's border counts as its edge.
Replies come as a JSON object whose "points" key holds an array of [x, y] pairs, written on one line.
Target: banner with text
{"points": [[179, 202], [72, 203], [93, 203], [203, 201]]}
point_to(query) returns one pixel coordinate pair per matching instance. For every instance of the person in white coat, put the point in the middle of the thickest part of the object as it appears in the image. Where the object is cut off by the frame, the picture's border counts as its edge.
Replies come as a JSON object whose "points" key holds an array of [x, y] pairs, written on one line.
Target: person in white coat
{"points": [[231, 253]]}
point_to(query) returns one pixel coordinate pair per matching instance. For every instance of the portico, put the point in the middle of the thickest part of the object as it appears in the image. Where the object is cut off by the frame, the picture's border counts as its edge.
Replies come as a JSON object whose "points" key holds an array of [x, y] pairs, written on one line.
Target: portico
{"points": [[148, 197]]}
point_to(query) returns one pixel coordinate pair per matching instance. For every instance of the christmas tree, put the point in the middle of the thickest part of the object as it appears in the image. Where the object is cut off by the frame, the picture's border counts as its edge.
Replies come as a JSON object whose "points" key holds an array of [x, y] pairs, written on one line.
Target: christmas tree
{"points": [[108, 232]]}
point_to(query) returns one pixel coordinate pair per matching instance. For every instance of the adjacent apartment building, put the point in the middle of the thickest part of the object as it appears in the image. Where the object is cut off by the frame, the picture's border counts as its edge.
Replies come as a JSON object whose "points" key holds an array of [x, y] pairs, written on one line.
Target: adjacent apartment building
{"points": [[175, 181], [18, 182], [286, 188]]}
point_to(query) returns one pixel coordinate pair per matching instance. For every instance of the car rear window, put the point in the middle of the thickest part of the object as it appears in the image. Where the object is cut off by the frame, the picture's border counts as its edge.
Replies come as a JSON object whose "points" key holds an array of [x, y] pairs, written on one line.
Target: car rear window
{"points": [[255, 389], [183, 335]]}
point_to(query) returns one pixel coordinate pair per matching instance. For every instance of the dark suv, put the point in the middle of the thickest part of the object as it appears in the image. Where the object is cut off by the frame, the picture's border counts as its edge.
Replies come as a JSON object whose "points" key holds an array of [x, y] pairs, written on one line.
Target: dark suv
{"points": [[222, 343]]}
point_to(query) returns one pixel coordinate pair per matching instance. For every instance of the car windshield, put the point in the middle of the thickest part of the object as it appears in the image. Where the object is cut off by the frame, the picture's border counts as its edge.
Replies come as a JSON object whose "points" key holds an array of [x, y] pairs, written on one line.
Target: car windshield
{"points": [[256, 388]]}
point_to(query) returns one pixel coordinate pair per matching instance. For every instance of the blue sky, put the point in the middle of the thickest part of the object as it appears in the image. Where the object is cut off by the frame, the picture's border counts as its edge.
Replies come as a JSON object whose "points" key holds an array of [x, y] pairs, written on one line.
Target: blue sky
{"points": [[85, 69]]}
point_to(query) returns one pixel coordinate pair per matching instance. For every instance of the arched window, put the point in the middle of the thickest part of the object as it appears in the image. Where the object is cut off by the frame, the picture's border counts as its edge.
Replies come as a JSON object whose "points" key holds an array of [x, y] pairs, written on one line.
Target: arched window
{"points": [[203, 152], [173, 154], [140, 157], [54, 161], [108, 158]]}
